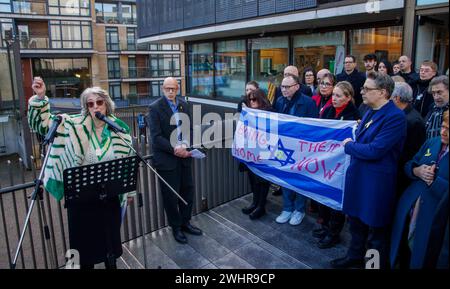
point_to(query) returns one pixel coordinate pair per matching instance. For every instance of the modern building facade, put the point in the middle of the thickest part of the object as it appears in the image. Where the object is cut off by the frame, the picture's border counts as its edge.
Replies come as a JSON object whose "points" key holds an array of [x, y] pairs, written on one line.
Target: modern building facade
{"points": [[74, 44], [228, 43]]}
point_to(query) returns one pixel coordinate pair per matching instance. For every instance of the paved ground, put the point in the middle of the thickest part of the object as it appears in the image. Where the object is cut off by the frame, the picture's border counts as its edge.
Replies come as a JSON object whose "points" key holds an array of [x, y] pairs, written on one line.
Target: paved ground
{"points": [[232, 241]]}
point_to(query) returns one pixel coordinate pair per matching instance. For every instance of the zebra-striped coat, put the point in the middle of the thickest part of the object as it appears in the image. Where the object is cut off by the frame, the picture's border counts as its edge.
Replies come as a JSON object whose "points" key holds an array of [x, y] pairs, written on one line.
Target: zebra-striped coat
{"points": [[71, 142]]}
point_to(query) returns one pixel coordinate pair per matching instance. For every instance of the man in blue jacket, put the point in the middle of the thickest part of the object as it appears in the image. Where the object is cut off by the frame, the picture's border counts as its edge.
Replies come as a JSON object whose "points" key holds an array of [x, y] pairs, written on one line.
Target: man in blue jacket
{"points": [[370, 182], [294, 103]]}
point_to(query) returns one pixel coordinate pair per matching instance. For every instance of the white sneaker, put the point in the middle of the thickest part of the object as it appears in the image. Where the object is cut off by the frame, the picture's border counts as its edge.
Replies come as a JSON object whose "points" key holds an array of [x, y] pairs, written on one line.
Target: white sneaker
{"points": [[296, 218], [283, 217]]}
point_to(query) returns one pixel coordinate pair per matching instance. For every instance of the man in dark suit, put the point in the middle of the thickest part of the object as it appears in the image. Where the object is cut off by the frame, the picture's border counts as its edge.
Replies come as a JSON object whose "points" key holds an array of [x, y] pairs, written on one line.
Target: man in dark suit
{"points": [[415, 131], [171, 158]]}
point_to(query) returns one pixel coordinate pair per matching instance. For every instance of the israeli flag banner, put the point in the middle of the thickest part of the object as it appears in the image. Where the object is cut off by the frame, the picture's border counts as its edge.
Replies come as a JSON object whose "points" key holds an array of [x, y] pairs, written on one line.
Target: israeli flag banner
{"points": [[302, 154]]}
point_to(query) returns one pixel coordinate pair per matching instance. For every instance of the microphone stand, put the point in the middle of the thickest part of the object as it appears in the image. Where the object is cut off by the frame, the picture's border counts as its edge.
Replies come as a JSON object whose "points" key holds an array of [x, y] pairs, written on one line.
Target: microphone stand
{"points": [[140, 201], [38, 192]]}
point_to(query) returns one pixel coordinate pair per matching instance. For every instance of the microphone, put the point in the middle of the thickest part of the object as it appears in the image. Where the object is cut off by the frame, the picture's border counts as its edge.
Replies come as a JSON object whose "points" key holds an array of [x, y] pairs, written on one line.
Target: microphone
{"points": [[112, 125], [52, 131]]}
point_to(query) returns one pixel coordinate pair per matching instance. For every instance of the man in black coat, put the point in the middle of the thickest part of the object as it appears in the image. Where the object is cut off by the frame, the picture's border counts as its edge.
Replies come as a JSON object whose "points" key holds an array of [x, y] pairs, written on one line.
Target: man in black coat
{"points": [[171, 158], [407, 72], [415, 134], [422, 98], [352, 75]]}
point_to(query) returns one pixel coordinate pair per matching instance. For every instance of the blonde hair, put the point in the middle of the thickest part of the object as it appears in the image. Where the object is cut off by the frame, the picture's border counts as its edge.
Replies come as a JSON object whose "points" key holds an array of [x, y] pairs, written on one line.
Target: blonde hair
{"points": [[110, 106], [347, 89]]}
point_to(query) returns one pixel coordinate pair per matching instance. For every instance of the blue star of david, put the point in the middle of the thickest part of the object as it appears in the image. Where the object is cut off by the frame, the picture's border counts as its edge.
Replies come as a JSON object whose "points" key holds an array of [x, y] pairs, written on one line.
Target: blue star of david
{"points": [[281, 154]]}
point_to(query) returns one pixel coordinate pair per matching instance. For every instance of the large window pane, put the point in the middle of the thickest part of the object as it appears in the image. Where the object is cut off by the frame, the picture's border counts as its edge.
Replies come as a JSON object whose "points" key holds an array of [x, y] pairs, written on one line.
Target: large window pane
{"points": [[115, 91], [269, 57], [385, 42], [64, 77], [110, 13], [113, 68], [112, 39], [70, 34], [201, 69], [70, 7], [230, 68], [320, 50], [5, 6]]}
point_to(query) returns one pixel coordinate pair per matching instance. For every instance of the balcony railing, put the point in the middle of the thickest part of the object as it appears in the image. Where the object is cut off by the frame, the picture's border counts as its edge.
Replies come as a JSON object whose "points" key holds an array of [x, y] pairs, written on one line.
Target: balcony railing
{"points": [[115, 20], [140, 99], [38, 7], [145, 72], [136, 72], [35, 43]]}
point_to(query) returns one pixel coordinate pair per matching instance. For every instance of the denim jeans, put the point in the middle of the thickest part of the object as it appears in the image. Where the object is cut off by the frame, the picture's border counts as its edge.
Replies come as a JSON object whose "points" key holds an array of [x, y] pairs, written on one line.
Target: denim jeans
{"points": [[293, 201]]}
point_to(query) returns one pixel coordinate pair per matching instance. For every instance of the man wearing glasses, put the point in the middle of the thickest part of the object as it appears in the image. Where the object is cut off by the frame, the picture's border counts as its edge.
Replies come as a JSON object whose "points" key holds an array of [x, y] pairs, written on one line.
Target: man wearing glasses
{"points": [[352, 75], [371, 177], [288, 71], [294, 103], [439, 90], [171, 158]]}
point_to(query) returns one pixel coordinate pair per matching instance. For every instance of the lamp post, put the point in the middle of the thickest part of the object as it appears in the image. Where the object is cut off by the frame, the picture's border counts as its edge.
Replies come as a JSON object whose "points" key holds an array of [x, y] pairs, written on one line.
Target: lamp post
{"points": [[15, 70], [9, 42]]}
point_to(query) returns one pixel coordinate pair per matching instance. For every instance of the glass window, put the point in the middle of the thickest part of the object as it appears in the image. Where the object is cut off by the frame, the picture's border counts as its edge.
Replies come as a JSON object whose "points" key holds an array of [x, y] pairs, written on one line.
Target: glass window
{"points": [[163, 65], [432, 44], [69, 7], [230, 64], [113, 68], [320, 50], [110, 13], [132, 69], [99, 12], [127, 15], [71, 34], [200, 69], [112, 39], [131, 39], [64, 77], [6, 30], [115, 91], [269, 57], [385, 42], [5, 6]]}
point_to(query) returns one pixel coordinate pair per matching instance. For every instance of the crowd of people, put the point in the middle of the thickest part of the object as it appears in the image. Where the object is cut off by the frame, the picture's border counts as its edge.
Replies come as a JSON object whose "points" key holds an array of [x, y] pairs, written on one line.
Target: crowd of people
{"points": [[397, 182], [396, 194]]}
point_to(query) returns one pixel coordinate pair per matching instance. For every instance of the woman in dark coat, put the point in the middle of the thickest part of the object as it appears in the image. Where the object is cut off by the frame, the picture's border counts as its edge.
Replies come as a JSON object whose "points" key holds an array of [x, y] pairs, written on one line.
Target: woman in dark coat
{"points": [[419, 203], [257, 99], [342, 108]]}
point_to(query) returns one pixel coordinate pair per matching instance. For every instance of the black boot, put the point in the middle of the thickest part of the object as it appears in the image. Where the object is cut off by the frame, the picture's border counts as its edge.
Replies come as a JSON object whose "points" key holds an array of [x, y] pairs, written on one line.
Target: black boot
{"points": [[249, 209], [320, 232], [329, 241], [257, 213]]}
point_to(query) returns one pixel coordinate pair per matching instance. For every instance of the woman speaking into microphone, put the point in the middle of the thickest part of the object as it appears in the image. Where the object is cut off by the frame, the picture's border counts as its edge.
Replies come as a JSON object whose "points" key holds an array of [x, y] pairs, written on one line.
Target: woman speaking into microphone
{"points": [[84, 139]]}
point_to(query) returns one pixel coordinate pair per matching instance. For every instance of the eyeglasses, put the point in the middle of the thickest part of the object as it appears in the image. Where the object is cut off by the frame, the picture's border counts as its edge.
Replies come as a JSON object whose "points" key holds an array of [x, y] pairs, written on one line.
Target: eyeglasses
{"points": [[170, 89], [366, 89], [99, 102], [287, 86], [253, 99], [326, 84]]}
